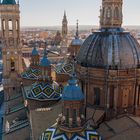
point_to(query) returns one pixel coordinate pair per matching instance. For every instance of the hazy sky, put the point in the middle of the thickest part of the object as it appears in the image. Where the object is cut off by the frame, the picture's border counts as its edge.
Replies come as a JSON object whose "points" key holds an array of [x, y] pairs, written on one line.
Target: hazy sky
{"points": [[50, 12]]}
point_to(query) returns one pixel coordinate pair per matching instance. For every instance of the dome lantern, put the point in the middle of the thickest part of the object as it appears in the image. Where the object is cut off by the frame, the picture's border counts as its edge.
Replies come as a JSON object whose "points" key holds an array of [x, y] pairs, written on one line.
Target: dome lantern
{"points": [[45, 65], [76, 43], [34, 56], [111, 14]]}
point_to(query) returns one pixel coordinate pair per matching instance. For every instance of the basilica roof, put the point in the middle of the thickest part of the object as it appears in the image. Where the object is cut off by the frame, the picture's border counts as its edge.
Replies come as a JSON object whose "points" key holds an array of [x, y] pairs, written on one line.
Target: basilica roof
{"points": [[55, 133], [43, 91], [31, 73], [113, 48], [8, 2]]}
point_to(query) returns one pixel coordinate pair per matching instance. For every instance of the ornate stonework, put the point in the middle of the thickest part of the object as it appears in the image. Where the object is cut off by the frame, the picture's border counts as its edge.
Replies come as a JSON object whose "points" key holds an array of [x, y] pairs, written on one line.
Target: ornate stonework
{"points": [[111, 13]]}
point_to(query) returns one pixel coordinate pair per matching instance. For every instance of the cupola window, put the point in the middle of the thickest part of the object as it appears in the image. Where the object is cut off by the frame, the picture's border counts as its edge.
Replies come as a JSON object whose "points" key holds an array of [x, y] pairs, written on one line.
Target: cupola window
{"points": [[12, 64], [97, 93]]}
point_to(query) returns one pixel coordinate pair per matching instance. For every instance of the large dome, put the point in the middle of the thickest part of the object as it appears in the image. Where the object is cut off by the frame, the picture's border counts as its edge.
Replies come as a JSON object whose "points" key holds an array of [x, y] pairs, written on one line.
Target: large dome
{"points": [[110, 48]]}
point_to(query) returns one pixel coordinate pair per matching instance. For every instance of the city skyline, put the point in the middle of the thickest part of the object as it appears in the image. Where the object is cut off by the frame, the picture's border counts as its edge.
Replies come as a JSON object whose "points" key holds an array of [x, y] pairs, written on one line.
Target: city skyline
{"points": [[50, 12]]}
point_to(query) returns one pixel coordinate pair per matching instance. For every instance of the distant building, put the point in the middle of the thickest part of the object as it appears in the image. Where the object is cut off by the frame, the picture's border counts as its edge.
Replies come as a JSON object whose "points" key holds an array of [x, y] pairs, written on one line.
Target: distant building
{"points": [[64, 26]]}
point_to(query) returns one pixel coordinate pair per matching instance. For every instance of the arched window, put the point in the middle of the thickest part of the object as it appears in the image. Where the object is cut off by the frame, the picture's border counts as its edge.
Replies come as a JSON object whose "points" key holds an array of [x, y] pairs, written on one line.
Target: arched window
{"points": [[67, 116], [111, 98], [109, 12], [74, 118], [16, 24], [138, 101], [97, 93], [116, 13], [10, 24], [3, 23], [12, 64]]}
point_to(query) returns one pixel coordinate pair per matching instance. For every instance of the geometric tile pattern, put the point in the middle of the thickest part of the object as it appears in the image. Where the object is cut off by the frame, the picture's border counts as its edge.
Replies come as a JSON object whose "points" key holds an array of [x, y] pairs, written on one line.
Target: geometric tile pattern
{"points": [[55, 134], [44, 91], [32, 74], [64, 68]]}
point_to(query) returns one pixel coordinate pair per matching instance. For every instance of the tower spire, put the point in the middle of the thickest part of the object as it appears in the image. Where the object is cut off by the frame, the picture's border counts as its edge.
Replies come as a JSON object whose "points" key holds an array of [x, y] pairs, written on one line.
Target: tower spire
{"points": [[77, 29], [111, 14], [64, 26], [64, 14]]}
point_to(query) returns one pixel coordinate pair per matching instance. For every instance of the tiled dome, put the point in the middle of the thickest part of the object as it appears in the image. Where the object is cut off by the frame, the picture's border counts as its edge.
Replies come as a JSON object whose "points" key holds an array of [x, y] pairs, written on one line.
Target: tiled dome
{"points": [[64, 67], [9, 2], [55, 134], [43, 91], [72, 91], [34, 51], [110, 48], [31, 74], [76, 42], [45, 62]]}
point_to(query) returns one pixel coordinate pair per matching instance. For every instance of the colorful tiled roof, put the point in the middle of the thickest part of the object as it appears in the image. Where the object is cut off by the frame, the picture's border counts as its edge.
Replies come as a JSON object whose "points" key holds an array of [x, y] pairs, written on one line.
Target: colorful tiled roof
{"points": [[57, 134], [31, 73], [44, 91], [64, 68]]}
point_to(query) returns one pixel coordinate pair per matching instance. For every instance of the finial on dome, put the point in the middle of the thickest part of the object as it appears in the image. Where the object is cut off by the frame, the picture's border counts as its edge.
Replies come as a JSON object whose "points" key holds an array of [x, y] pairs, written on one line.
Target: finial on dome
{"points": [[77, 29], [73, 74], [45, 49], [34, 51]]}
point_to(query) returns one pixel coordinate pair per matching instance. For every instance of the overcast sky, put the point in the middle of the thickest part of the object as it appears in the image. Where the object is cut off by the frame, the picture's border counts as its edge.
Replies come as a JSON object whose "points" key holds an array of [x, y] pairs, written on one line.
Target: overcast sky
{"points": [[50, 12]]}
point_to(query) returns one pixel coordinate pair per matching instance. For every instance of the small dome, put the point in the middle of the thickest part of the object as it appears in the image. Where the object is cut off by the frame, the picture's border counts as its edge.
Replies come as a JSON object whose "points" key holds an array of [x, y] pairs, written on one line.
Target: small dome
{"points": [[43, 91], [9, 2], [45, 62], [113, 48], [76, 42], [34, 51], [72, 91]]}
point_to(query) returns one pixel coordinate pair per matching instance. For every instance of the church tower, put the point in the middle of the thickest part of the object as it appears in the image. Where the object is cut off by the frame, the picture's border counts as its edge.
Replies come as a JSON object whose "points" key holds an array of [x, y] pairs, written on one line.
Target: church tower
{"points": [[10, 22], [64, 26], [111, 14], [15, 122]]}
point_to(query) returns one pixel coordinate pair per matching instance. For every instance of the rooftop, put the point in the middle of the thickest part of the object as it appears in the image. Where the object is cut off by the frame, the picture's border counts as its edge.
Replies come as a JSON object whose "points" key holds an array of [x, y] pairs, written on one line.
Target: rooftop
{"points": [[123, 128]]}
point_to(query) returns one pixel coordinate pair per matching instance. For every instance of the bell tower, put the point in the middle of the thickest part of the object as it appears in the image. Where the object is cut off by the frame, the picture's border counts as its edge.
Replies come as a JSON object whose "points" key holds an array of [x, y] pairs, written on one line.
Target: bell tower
{"points": [[14, 112], [64, 26], [10, 26], [111, 14]]}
